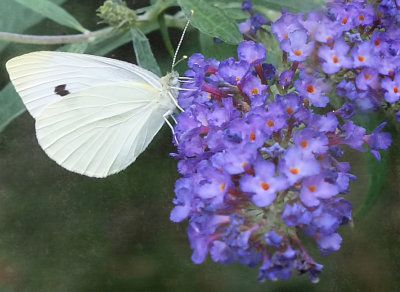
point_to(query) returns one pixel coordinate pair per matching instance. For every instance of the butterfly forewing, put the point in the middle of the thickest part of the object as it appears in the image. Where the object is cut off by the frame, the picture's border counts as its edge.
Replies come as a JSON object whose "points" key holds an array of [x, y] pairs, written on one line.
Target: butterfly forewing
{"points": [[44, 77], [101, 130], [94, 115]]}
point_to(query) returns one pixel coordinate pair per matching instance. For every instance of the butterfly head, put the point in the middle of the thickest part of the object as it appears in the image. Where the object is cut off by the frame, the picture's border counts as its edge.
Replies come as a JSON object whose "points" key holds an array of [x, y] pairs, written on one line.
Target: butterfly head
{"points": [[170, 80], [173, 79]]}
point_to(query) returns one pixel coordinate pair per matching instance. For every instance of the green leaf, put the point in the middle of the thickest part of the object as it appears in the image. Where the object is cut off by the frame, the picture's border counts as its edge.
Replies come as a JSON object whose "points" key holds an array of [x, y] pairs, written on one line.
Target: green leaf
{"points": [[291, 5], [52, 11], [11, 105], [17, 18], [217, 50], [165, 35], [277, 5], [108, 42], [79, 47], [377, 170], [377, 175], [232, 8], [212, 21], [274, 53], [144, 55]]}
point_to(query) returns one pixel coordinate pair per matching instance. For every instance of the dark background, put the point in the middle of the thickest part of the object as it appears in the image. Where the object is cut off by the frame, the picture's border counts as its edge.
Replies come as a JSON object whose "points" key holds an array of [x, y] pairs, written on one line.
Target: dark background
{"points": [[60, 231]]}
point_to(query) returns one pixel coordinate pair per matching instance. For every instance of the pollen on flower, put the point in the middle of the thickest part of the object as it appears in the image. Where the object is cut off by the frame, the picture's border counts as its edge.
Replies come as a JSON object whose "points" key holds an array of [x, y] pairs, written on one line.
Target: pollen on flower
{"points": [[310, 88], [344, 20], [311, 188], [294, 170], [254, 91], [335, 59], [361, 17], [367, 76], [209, 95], [285, 35], [270, 123], [252, 136], [264, 185], [303, 144], [222, 186], [244, 164], [297, 52], [377, 42], [237, 79], [289, 110], [360, 58], [395, 89]]}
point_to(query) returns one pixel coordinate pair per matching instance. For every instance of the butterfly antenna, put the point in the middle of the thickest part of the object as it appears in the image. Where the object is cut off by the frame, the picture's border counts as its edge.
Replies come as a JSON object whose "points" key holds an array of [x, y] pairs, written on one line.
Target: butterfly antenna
{"points": [[180, 41]]}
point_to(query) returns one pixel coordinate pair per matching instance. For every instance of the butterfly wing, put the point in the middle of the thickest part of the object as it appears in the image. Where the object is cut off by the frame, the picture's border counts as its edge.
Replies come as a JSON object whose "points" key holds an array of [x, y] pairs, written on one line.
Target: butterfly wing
{"points": [[99, 131], [44, 77]]}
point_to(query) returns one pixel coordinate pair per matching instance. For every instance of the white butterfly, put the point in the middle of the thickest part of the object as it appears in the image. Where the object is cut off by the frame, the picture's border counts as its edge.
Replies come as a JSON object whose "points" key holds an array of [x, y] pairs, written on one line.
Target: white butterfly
{"points": [[94, 115]]}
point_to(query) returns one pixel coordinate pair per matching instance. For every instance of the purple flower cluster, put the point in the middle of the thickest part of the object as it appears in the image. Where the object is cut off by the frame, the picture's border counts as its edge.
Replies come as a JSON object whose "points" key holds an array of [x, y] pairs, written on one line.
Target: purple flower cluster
{"points": [[351, 46], [258, 164]]}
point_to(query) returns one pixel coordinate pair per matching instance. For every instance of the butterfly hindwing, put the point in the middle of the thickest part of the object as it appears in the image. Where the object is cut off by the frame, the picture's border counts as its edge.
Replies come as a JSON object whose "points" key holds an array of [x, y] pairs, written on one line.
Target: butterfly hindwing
{"points": [[44, 77], [100, 130]]}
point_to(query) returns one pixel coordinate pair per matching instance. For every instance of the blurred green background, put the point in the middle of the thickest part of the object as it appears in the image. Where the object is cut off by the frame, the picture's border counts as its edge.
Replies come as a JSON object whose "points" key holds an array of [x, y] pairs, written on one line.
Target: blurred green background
{"points": [[64, 232]]}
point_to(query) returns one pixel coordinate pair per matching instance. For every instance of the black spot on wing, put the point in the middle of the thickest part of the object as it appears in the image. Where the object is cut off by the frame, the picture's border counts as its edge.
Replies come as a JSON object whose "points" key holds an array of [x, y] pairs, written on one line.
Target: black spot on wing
{"points": [[60, 90]]}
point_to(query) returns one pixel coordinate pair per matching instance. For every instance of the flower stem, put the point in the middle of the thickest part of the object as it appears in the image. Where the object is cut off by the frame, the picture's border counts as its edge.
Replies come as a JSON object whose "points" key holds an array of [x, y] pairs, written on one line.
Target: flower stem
{"points": [[147, 22], [52, 39]]}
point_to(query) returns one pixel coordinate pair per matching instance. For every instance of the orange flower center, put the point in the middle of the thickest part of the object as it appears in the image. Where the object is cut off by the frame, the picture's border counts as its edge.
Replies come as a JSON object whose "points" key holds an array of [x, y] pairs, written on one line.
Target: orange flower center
{"points": [[310, 88], [361, 58], [335, 59], [395, 89], [303, 144], [297, 52], [361, 17], [377, 42], [294, 170], [289, 110], [254, 91], [312, 188], [270, 123], [344, 20], [222, 186], [264, 185], [367, 76], [252, 136], [285, 35], [237, 79]]}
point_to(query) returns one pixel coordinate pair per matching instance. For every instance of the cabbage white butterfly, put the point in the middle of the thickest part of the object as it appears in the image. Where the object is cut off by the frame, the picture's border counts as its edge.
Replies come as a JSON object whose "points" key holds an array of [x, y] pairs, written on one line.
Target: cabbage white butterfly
{"points": [[94, 115]]}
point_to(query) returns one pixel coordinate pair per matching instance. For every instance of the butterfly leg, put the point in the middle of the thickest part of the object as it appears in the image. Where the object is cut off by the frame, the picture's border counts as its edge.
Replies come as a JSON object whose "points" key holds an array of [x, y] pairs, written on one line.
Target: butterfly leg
{"points": [[174, 119], [165, 116], [175, 102]]}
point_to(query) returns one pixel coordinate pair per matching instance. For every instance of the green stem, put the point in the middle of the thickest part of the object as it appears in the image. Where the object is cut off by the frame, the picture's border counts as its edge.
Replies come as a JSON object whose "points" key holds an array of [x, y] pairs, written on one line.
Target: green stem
{"points": [[146, 26], [51, 39], [158, 7]]}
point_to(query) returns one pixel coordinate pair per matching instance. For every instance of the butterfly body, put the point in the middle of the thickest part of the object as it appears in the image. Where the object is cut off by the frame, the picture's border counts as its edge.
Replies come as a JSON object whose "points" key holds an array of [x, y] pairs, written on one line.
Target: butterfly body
{"points": [[94, 115]]}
